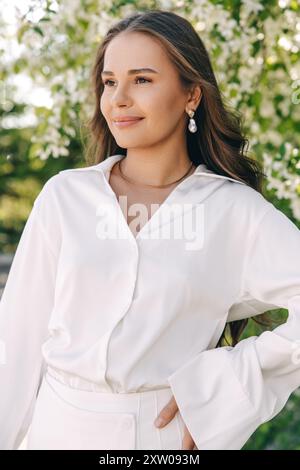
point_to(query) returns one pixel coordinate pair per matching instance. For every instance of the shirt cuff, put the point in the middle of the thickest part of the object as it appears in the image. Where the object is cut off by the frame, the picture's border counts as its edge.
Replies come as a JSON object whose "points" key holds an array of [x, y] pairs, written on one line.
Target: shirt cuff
{"points": [[213, 404]]}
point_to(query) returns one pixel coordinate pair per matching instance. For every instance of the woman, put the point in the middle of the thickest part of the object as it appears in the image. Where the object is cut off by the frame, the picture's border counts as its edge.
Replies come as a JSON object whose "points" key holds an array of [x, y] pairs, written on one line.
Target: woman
{"points": [[109, 319]]}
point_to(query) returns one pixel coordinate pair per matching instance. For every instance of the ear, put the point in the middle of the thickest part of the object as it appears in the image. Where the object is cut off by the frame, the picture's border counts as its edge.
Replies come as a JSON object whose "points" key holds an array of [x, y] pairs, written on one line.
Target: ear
{"points": [[194, 97]]}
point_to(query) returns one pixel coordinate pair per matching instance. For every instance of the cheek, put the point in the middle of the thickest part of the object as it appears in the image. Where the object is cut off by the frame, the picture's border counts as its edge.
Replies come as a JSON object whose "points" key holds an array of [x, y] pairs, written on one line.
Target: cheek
{"points": [[164, 113], [172, 104], [165, 103], [103, 105], [105, 109]]}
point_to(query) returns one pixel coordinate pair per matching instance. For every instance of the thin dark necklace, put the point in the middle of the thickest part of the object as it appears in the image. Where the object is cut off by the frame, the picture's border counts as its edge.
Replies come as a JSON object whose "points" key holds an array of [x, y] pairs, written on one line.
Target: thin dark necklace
{"points": [[152, 185]]}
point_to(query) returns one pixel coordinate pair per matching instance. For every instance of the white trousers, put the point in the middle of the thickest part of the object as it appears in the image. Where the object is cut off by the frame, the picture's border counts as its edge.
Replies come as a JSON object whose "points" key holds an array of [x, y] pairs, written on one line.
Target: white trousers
{"points": [[68, 418]]}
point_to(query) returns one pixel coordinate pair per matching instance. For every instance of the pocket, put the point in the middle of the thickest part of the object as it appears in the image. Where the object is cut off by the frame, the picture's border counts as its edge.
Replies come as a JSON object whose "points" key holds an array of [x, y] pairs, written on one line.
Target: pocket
{"points": [[58, 424]]}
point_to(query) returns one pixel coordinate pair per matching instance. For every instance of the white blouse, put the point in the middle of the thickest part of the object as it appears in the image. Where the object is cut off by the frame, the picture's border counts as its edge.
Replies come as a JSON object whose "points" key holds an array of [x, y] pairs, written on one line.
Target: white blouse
{"points": [[104, 310]]}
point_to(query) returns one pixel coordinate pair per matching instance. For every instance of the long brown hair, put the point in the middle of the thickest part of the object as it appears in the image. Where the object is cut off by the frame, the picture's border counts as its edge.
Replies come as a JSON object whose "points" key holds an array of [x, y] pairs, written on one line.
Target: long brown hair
{"points": [[219, 141]]}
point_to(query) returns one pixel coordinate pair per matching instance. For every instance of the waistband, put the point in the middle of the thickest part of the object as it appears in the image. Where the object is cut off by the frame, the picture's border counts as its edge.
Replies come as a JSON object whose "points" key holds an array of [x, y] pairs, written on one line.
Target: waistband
{"points": [[71, 389], [135, 409], [80, 384]]}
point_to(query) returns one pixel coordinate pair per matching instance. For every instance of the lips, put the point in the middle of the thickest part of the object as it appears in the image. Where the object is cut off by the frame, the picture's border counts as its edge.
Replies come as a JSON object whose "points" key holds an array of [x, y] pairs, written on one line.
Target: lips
{"points": [[127, 124], [127, 119]]}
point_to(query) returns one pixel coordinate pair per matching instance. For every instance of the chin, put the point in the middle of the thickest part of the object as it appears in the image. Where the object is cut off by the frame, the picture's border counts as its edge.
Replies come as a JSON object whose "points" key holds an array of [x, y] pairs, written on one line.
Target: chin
{"points": [[127, 143]]}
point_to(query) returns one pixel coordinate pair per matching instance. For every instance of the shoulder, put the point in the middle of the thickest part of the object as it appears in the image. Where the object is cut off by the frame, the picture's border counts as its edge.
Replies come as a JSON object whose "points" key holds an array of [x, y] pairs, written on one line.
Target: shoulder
{"points": [[259, 219], [240, 209], [232, 196], [248, 204], [58, 182], [88, 169], [48, 188], [246, 197]]}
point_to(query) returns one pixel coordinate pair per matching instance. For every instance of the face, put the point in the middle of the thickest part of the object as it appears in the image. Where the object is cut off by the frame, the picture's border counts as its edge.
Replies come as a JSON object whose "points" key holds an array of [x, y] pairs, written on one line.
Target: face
{"points": [[156, 96]]}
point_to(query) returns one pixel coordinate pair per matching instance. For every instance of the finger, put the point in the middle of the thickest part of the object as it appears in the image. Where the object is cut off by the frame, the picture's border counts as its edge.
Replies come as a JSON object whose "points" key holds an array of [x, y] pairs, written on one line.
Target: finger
{"points": [[187, 442], [167, 413]]}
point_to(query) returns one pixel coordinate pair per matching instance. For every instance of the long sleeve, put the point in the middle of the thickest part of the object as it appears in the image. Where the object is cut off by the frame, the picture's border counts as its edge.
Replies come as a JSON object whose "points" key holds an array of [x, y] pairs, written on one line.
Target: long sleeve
{"points": [[25, 308], [224, 394]]}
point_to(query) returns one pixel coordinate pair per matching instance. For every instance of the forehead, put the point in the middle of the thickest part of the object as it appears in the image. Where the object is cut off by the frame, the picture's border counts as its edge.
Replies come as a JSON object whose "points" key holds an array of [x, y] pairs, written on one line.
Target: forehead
{"points": [[134, 50]]}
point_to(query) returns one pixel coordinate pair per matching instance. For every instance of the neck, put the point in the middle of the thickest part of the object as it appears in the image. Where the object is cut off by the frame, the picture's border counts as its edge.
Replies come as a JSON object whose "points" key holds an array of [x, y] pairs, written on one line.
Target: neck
{"points": [[160, 170]]}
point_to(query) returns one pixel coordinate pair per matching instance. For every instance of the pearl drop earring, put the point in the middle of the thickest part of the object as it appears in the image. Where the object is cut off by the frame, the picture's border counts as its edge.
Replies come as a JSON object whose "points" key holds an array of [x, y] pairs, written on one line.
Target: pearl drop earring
{"points": [[192, 124]]}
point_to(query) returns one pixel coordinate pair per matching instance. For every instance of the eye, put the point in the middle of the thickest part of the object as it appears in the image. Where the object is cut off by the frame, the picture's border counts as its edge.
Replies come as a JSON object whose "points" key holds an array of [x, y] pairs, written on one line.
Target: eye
{"points": [[105, 82]]}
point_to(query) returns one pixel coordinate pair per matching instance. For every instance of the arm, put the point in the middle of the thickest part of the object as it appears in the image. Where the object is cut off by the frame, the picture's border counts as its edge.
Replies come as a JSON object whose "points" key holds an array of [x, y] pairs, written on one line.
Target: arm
{"points": [[225, 394], [25, 308]]}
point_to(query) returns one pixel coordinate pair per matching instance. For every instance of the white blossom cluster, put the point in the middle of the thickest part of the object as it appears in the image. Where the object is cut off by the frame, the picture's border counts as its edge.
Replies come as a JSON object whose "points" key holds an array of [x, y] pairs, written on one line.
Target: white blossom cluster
{"points": [[254, 50]]}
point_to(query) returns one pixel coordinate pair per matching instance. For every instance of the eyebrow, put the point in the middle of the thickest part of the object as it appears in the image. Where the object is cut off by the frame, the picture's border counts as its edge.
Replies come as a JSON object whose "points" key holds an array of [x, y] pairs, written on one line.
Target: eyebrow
{"points": [[132, 71]]}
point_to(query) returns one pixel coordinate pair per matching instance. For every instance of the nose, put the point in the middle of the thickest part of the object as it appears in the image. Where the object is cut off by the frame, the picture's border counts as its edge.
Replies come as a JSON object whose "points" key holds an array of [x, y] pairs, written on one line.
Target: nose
{"points": [[120, 96]]}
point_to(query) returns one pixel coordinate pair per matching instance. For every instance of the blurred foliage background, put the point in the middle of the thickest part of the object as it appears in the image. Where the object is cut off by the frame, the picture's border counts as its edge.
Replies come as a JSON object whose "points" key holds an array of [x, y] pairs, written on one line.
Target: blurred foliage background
{"points": [[46, 51]]}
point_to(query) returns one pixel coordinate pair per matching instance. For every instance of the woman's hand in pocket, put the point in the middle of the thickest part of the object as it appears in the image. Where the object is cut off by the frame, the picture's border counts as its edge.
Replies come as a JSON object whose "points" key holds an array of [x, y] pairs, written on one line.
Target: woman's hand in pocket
{"points": [[166, 415]]}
